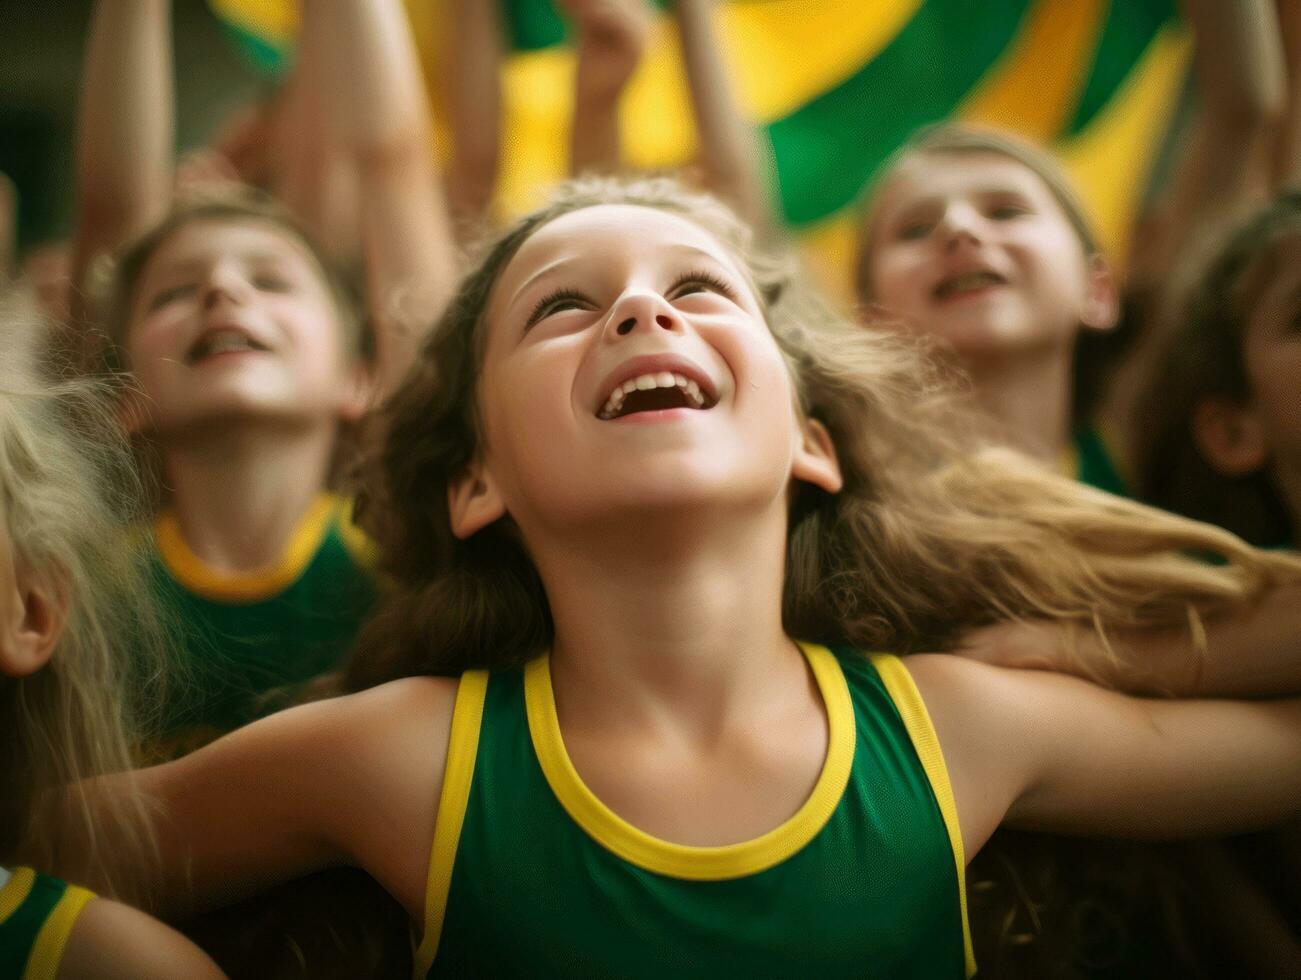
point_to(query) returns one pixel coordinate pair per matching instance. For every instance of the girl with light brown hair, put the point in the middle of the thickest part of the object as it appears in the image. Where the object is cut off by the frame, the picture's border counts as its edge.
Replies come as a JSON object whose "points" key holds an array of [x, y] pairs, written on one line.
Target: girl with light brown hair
{"points": [[634, 465]]}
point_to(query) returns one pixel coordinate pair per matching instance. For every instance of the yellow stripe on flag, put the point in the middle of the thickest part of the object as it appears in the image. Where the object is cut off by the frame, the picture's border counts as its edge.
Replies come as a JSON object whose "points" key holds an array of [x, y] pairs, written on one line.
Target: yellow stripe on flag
{"points": [[1035, 86]]}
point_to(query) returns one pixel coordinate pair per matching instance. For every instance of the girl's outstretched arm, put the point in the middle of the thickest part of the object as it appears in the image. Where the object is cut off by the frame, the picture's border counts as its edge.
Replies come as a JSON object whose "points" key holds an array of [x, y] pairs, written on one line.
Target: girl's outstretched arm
{"points": [[125, 131], [377, 110], [353, 780], [1049, 752], [736, 164], [611, 38], [1253, 653], [111, 941]]}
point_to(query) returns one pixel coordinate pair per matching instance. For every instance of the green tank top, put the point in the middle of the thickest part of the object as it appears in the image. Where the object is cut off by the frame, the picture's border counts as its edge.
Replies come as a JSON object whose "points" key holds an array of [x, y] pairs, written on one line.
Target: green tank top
{"points": [[1091, 461], [530, 875], [245, 637], [37, 914]]}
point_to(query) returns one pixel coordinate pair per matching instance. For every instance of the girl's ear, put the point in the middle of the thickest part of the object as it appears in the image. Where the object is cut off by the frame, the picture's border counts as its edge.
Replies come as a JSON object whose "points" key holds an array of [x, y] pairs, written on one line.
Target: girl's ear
{"points": [[31, 630], [1101, 299], [359, 392], [473, 501], [1229, 436], [816, 461]]}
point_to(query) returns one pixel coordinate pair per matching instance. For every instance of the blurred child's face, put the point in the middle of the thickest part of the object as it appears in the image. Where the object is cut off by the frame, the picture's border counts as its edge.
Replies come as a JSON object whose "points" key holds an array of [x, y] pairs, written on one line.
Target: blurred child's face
{"points": [[975, 249], [230, 319], [1272, 357], [629, 367]]}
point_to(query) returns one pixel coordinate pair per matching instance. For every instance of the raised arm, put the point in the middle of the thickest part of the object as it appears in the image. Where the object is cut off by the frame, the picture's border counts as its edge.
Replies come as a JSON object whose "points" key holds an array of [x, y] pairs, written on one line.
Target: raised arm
{"points": [[611, 38], [125, 130], [353, 780], [471, 82], [377, 110], [1287, 161], [1253, 653], [1048, 752], [736, 164]]}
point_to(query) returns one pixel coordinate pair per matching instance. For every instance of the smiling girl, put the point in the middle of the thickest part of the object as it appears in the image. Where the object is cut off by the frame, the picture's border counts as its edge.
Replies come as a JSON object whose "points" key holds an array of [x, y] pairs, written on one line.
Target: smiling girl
{"points": [[626, 764]]}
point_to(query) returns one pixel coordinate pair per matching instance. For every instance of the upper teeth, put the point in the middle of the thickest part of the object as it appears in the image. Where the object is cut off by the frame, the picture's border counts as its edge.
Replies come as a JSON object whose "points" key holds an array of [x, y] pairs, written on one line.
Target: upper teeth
{"points": [[222, 341], [645, 382], [970, 280]]}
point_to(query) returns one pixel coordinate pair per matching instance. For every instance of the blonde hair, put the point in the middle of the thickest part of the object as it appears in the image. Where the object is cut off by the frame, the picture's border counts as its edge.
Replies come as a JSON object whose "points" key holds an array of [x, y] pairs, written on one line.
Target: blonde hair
{"points": [[70, 496], [935, 531]]}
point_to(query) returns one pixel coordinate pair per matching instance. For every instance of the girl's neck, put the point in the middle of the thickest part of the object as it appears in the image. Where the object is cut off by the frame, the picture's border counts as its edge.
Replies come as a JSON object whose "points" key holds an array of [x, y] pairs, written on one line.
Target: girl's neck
{"points": [[1030, 397], [674, 627], [239, 491]]}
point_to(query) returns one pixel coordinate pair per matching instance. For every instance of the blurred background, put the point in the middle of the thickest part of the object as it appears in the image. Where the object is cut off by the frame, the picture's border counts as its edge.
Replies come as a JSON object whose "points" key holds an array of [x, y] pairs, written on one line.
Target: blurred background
{"points": [[834, 85]]}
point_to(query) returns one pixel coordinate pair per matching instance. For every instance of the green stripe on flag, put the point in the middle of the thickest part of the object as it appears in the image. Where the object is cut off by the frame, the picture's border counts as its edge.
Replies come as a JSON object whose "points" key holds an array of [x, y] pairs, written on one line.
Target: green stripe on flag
{"points": [[1131, 25], [827, 150], [265, 57]]}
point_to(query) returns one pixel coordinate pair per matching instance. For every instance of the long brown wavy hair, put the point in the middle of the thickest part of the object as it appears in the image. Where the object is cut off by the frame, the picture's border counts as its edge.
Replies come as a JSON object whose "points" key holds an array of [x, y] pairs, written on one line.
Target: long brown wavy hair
{"points": [[70, 497], [935, 531]]}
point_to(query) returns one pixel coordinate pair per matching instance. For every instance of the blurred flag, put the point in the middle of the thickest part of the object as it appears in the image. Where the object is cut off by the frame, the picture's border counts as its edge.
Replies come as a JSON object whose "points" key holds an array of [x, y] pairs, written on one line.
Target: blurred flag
{"points": [[837, 85]]}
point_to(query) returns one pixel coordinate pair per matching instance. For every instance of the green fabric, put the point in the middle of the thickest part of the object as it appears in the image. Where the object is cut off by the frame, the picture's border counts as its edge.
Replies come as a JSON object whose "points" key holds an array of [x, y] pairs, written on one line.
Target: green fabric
{"points": [[1129, 29], [18, 932], [236, 653], [1095, 465], [875, 893]]}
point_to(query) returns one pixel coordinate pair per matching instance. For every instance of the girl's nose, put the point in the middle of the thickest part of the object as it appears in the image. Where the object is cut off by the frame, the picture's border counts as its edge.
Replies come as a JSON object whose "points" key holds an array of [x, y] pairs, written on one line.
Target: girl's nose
{"points": [[960, 224], [223, 282], [643, 311]]}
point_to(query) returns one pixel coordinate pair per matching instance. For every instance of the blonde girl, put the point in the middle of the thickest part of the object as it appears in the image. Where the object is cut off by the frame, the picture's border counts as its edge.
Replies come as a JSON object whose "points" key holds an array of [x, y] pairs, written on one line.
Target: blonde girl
{"points": [[71, 587], [632, 466]]}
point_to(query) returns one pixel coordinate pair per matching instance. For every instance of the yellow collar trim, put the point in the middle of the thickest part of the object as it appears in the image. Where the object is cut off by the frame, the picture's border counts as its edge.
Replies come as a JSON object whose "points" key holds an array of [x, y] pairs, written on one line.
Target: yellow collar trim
{"points": [[15, 891], [240, 587], [680, 860]]}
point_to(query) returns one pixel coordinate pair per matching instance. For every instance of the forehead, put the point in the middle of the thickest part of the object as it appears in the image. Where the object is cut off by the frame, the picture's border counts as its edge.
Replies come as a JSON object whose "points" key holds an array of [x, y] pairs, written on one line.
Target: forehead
{"points": [[927, 176], [607, 233], [206, 239]]}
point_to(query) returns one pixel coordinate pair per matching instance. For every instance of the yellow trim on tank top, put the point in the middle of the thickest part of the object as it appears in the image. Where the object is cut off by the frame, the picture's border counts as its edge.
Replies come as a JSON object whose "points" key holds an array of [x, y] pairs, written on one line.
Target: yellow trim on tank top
{"points": [[52, 939], [246, 587], [15, 891], [680, 860], [458, 776], [908, 701]]}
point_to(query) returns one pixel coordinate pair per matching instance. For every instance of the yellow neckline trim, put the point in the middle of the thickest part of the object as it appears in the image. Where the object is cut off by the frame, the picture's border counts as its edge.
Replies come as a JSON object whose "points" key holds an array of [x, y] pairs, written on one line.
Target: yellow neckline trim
{"points": [[907, 699], [680, 860], [52, 939], [240, 587], [15, 891], [458, 775]]}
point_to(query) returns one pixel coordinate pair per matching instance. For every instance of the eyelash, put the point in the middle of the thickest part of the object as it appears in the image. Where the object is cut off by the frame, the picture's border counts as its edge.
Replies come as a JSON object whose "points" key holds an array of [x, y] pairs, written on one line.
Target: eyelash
{"points": [[700, 277]]}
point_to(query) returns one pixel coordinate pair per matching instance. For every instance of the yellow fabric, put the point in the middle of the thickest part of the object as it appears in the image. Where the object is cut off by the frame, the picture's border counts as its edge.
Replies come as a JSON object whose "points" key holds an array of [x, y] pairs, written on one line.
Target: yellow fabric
{"points": [[462, 749], [15, 891], [679, 860], [908, 700], [47, 951], [1036, 85], [192, 572]]}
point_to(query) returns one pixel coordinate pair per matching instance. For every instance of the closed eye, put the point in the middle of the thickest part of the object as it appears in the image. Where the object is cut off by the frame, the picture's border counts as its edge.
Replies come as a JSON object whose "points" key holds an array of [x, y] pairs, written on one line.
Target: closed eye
{"points": [[165, 296], [913, 230], [701, 282], [557, 302], [272, 282], [1007, 212]]}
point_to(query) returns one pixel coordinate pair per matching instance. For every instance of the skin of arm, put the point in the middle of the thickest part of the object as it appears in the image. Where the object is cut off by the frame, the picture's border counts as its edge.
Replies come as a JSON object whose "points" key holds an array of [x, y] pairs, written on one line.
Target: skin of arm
{"points": [[1049, 752], [125, 129], [1221, 173], [377, 112], [735, 163], [353, 780], [1287, 163], [111, 941], [611, 38], [1253, 653], [472, 83]]}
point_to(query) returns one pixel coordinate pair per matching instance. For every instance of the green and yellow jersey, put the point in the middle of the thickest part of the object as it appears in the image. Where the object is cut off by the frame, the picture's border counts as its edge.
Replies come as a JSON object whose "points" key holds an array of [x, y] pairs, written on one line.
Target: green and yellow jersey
{"points": [[249, 638], [530, 875], [37, 914], [1092, 460]]}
